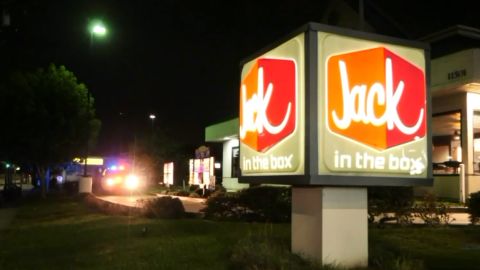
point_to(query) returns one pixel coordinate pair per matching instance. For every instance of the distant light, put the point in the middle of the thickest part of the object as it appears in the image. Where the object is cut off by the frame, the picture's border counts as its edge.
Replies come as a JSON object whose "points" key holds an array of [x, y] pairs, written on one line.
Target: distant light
{"points": [[17, 169], [95, 161], [218, 165], [110, 182], [91, 161], [113, 167], [121, 167], [7, 165], [59, 178], [152, 116]]}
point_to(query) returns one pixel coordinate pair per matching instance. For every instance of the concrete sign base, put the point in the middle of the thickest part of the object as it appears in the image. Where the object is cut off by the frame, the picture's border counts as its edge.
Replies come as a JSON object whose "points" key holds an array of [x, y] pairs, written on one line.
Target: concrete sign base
{"points": [[330, 225]]}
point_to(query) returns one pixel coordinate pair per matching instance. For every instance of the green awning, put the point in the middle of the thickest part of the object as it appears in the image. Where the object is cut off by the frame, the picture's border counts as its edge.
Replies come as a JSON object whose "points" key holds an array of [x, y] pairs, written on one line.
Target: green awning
{"points": [[222, 131]]}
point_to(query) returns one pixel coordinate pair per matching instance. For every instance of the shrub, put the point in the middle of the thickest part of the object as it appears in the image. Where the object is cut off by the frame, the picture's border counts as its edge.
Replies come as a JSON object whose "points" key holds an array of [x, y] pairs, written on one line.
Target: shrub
{"points": [[221, 205], [396, 200], [71, 187], [182, 193], [263, 203], [267, 203], [194, 195], [1, 199], [432, 212], [473, 204], [164, 207]]}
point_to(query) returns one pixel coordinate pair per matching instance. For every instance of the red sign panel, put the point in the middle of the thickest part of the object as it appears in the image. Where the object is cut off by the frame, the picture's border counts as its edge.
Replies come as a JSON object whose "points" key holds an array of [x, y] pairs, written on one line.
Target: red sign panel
{"points": [[268, 100]]}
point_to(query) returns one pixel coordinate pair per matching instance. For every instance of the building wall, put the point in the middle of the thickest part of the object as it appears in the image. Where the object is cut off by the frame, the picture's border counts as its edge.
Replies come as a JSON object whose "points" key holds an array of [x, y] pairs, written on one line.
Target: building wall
{"points": [[227, 157], [467, 103], [473, 181], [228, 182]]}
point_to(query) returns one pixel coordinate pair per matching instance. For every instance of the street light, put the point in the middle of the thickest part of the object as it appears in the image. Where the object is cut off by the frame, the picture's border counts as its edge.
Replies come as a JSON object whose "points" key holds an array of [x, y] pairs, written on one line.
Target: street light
{"points": [[96, 28], [99, 30]]}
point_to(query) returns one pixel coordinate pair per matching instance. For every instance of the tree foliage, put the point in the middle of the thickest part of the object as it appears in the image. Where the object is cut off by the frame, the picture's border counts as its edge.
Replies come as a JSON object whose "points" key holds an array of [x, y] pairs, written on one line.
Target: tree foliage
{"points": [[154, 148], [46, 115]]}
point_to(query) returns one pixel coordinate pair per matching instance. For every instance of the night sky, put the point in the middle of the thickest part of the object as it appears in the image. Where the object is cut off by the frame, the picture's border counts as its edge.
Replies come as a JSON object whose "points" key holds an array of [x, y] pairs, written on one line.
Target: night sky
{"points": [[181, 59]]}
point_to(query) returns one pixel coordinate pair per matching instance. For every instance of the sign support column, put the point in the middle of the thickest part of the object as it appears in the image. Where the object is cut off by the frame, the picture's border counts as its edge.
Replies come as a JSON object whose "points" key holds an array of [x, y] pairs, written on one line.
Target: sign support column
{"points": [[330, 225]]}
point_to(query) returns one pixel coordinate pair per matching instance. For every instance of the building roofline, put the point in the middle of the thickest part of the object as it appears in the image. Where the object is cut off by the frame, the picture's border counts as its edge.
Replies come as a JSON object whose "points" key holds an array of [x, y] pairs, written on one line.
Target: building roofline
{"points": [[456, 30]]}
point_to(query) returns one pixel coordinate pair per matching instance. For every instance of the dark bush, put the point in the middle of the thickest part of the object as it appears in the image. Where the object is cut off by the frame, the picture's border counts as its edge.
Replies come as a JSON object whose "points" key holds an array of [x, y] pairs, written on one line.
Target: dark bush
{"points": [[11, 193], [1, 199], [71, 187], [164, 207], [396, 200], [222, 206], [183, 193], [432, 212], [473, 204], [194, 195], [267, 203], [264, 203]]}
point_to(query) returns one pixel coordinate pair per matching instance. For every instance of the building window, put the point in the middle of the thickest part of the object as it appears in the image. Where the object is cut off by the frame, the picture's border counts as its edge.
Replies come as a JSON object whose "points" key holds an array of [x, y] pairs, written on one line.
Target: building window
{"points": [[476, 142], [235, 162], [447, 143]]}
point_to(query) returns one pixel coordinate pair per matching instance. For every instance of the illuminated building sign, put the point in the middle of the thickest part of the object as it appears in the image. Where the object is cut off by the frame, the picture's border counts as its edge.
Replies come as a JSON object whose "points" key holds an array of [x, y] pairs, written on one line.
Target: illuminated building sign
{"points": [[336, 107], [271, 111], [168, 173], [202, 172]]}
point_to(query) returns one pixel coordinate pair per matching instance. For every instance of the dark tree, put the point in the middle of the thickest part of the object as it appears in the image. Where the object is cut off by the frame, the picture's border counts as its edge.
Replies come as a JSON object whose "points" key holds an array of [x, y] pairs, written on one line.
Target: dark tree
{"points": [[152, 149], [47, 117]]}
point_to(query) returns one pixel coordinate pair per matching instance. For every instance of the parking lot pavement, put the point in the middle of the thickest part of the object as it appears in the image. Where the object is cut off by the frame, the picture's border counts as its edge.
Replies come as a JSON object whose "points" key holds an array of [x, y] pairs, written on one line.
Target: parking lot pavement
{"points": [[127, 200], [191, 205]]}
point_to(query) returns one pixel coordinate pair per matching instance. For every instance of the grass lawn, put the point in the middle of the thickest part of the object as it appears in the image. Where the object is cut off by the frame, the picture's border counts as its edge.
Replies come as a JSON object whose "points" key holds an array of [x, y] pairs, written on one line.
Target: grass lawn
{"points": [[446, 247], [63, 233]]}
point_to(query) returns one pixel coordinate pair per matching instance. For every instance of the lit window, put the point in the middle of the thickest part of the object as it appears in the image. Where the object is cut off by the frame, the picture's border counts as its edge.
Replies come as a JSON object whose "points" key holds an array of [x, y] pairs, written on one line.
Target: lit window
{"points": [[447, 143], [476, 142]]}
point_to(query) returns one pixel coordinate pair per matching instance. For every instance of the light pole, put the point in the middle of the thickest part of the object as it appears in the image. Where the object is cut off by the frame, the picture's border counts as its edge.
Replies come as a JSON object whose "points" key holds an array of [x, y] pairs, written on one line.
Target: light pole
{"points": [[96, 28], [152, 117]]}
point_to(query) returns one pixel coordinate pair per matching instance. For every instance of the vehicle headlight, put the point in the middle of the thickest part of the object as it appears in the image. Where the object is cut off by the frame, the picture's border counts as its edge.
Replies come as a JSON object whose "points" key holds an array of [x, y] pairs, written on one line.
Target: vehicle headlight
{"points": [[110, 182], [131, 182]]}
